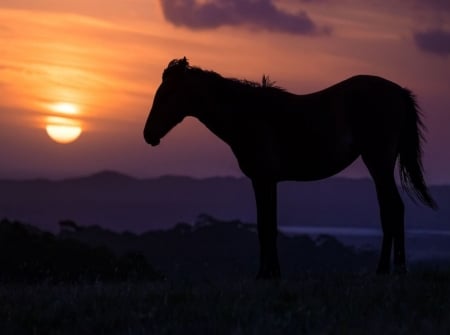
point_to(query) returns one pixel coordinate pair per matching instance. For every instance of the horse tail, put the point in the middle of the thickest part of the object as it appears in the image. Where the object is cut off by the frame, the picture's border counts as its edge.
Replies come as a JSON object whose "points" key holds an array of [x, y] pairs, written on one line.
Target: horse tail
{"points": [[410, 153]]}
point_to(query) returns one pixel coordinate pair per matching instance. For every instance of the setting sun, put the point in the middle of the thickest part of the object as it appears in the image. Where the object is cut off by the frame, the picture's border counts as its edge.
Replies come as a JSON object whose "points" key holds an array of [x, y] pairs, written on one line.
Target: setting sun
{"points": [[62, 130], [63, 134]]}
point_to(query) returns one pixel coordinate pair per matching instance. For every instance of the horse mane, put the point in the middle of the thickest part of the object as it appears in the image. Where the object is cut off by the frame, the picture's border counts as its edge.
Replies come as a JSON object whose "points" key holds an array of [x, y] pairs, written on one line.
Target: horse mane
{"points": [[179, 66]]}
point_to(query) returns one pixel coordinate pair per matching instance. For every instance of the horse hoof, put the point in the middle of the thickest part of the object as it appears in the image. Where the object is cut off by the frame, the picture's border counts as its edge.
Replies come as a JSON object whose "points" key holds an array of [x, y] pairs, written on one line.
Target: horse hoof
{"points": [[400, 270], [382, 271], [268, 276]]}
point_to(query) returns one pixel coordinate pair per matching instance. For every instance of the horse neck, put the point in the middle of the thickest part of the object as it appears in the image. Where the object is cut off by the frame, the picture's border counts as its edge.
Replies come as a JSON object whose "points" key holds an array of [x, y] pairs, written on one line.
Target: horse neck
{"points": [[222, 111]]}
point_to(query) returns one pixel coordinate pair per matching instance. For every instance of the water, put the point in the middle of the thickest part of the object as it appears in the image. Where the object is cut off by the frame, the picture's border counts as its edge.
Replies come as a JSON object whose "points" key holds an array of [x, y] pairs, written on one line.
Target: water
{"points": [[421, 244], [350, 231]]}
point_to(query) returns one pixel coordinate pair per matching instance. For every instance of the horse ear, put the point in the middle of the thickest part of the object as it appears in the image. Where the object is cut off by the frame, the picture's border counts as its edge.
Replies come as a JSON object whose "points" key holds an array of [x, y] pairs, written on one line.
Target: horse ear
{"points": [[179, 63], [176, 67]]}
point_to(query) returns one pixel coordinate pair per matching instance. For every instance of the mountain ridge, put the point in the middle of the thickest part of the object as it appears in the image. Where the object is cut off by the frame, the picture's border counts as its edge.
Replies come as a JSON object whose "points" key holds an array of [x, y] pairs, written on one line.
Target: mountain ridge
{"points": [[120, 202]]}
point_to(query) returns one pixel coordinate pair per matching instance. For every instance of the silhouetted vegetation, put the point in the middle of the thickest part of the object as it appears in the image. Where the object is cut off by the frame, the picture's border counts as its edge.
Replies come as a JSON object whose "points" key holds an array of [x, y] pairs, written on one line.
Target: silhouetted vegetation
{"points": [[215, 249], [209, 249], [28, 254]]}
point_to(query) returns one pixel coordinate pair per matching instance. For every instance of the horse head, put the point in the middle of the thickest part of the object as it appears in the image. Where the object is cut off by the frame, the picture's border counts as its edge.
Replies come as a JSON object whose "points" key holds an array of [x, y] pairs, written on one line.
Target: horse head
{"points": [[171, 102]]}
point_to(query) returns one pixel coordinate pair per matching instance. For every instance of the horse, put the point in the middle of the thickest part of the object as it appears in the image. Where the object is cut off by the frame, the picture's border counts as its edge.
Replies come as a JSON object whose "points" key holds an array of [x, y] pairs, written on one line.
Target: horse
{"points": [[280, 136]]}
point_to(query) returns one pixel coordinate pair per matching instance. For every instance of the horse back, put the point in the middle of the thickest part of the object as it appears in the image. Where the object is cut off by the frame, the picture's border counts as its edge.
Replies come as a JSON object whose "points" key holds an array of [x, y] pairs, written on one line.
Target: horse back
{"points": [[314, 136], [359, 105]]}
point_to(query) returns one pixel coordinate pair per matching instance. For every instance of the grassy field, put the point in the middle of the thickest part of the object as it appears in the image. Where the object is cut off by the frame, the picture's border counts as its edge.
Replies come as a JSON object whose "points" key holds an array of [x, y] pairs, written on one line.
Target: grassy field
{"points": [[312, 304]]}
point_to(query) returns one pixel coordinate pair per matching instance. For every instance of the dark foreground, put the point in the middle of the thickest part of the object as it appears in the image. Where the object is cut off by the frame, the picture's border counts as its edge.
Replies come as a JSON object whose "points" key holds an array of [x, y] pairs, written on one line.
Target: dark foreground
{"points": [[314, 304]]}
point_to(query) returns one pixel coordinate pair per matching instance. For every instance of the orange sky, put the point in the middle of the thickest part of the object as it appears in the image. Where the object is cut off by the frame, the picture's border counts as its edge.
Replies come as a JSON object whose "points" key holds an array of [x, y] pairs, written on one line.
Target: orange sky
{"points": [[106, 57]]}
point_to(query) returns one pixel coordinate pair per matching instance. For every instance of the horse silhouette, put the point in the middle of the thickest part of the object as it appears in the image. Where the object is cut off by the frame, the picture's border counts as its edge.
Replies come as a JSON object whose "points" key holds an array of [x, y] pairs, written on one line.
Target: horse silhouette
{"points": [[277, 136]]}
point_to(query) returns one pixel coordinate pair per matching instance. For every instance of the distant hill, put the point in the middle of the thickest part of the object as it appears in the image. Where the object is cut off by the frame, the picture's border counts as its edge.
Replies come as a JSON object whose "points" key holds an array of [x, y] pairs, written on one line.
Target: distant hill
{"points": [[119, 202]]}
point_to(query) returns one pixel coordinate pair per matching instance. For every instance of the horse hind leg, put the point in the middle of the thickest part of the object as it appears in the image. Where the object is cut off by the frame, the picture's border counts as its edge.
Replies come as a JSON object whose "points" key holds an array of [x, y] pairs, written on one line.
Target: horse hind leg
{"points": [[392, 220], [392, 217]]}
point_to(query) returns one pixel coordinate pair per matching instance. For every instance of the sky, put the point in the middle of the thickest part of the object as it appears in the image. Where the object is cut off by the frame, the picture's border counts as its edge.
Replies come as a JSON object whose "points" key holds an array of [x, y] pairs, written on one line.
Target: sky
{"points": [[105, 58]]}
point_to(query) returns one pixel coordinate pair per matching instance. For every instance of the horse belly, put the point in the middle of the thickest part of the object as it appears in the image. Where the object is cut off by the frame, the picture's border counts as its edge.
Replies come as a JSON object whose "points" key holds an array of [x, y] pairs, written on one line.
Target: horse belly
{"points": [[317, 157], [284, 152]]}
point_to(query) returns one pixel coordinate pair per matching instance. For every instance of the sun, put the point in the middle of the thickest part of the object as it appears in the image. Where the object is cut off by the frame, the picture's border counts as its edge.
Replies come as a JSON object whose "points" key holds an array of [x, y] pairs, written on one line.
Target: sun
{"points": [[63, 134], [63, 130]]}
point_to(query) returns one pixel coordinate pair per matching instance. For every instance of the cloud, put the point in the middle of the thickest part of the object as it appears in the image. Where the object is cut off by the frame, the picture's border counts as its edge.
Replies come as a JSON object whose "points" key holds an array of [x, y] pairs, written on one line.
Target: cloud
{"points": [[261, 14], [437, 5], [434, 41]]}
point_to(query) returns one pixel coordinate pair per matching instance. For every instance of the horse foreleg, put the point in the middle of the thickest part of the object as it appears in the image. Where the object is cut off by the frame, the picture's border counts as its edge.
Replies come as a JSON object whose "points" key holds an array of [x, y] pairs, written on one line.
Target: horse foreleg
{"points": [[384, 263], [266, 209]]}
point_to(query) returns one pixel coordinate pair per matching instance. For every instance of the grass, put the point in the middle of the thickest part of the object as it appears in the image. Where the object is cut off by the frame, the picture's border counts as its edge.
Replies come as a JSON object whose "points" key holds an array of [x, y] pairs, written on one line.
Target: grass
{"points": [[313, 304]]}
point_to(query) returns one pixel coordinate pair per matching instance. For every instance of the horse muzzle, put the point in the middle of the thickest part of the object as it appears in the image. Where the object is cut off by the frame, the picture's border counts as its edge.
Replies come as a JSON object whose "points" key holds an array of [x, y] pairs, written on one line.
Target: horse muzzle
{"points": [[153, 141]]}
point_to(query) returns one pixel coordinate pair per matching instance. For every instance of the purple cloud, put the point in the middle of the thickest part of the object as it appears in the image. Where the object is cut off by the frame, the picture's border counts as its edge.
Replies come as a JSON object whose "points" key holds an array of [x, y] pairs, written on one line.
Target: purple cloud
{"points": [[434, 41], [437, 5], [262, 14]]}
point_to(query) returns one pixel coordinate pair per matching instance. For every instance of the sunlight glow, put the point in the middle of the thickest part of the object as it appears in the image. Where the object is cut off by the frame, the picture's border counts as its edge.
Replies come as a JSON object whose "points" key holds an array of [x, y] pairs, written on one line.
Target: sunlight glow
{"points": [[65, 108]]}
